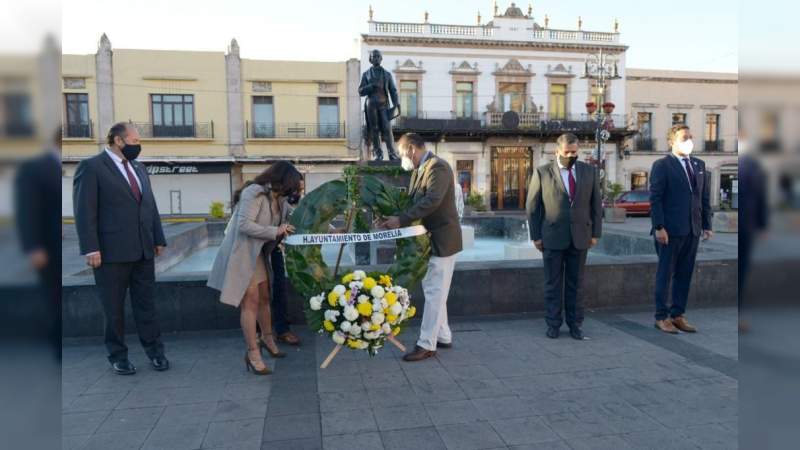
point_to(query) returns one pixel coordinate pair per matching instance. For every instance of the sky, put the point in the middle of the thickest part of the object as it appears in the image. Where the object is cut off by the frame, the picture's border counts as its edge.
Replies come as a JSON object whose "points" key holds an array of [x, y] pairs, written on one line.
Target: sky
{"points": [[700, 35]]}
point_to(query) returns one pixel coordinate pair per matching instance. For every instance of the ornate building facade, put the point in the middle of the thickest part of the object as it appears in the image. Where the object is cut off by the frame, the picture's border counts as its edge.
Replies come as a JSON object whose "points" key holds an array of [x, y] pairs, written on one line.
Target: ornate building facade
{"points": [[491, 98]]}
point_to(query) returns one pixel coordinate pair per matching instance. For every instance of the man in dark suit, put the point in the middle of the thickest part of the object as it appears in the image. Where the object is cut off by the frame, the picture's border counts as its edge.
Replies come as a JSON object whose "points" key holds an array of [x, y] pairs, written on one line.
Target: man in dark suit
{"points": [[378, 86], [680, 212], [37, 190], [433, 201], [119, 230], [565, 220]]}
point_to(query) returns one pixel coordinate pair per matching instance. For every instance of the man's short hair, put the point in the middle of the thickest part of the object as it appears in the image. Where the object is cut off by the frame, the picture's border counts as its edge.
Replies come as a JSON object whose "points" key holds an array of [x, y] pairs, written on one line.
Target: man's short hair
{"points": [[118, 129], [673, 131], [411, 139], [566, 139]]}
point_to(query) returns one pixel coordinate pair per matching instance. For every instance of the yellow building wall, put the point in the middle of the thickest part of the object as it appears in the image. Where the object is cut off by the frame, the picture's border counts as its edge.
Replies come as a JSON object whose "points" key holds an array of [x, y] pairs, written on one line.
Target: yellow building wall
{"points": [[295, 92], [81, 66], [140, 73]]}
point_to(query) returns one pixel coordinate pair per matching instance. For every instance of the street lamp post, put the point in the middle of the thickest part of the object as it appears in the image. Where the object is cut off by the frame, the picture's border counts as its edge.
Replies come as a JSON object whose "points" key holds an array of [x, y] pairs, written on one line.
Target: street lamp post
{"points": [[601, 67]]}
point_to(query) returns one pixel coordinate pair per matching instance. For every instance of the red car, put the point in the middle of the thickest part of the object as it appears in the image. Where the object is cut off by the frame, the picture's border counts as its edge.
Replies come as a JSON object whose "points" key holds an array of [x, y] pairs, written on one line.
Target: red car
{"points": [[633, 202]]}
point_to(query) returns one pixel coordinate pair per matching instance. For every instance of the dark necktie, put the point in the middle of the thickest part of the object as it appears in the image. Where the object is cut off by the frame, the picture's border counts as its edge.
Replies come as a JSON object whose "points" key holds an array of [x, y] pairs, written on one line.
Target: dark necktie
{"points": [[132, 180], [690, 172], [571, 186]]}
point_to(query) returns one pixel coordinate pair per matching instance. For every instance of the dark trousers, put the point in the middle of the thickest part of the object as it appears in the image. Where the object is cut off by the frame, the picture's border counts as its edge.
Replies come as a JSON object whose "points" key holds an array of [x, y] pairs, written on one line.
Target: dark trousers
{"points": [[563, 277], [380, 126], [280, 293], [113, 281], [675, 269]]}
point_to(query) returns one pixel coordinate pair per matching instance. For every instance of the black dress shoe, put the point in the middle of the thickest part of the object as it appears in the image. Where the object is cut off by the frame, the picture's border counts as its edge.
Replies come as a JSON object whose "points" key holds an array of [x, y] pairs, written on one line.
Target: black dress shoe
{"points": [[552, 332], [444, 345], [160, 363], [576, 333], [123, 367]]}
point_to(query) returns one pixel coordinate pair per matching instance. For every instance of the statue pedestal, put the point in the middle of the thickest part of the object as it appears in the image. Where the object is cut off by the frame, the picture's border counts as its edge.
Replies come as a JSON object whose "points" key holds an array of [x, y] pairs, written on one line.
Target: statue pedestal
{"points": [[467, 236]]}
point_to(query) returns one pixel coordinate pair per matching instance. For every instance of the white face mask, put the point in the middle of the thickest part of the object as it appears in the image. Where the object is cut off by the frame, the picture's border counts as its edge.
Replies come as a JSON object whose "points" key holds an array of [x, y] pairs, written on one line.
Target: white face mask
{"points": [[407, 164], [685, 148], [742, 146]]}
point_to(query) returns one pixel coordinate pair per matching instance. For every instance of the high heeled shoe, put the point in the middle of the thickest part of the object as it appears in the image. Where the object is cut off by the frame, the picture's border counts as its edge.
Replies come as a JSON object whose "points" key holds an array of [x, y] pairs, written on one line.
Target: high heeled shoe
{"points": [[250, 367], [262, 344]]}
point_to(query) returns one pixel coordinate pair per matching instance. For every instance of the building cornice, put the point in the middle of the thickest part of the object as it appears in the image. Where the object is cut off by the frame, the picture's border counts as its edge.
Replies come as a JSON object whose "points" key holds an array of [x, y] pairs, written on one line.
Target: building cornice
{"points": [[413, 41], [681, 80]]}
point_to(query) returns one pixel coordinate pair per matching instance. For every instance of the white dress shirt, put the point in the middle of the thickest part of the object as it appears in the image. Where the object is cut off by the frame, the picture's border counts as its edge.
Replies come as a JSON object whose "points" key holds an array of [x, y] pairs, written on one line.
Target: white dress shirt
{"points": [[118, 162], [683, 165], [565, 174]]}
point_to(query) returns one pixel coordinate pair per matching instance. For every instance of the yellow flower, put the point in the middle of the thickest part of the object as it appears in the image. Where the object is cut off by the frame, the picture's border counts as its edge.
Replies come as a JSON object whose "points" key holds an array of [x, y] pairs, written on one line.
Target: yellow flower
{"points": [[365, 309], [347, 278], [396, 331], [391, 319], [333, 297], [369, 283], [385, 280], [347, 294], [412, 311], [328, 325], [391, 298], [375, 327]]}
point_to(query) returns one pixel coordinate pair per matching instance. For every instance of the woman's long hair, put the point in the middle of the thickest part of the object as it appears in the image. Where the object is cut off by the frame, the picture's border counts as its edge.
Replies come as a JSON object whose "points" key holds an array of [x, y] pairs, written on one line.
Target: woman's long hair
{"points": [[282, 177]]}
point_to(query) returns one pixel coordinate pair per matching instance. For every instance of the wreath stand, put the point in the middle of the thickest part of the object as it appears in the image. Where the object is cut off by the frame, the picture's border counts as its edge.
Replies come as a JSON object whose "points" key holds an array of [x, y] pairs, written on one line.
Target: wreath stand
{"points": [[350, 215]]}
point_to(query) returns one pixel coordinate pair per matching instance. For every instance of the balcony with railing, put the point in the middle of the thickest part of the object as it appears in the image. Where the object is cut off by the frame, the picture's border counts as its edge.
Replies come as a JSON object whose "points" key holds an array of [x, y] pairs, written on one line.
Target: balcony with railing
{"points": [[269, 130], [486, 32], [488, 122], [197, 130], [716, 145], [77, 130], [645, 144]]}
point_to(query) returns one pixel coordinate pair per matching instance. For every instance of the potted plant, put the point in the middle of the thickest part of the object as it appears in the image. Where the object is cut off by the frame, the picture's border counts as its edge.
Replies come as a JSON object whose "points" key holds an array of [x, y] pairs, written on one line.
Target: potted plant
{"points": [[614, 214], [608, 107], [217, 210], [591, 107], [475, 202]]}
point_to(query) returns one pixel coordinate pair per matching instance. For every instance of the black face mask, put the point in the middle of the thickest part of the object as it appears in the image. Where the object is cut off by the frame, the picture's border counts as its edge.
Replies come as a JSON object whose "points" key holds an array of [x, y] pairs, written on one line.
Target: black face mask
{"points": [[567, 161], [131, 151], [293, 198]]}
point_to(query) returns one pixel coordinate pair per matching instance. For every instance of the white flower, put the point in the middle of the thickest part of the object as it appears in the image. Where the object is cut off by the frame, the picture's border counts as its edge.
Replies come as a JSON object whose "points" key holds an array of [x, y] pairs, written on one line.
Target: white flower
{"points": [[384, 303], [378, 318], [359, 275], [377, 292], [315, 303], [331, 315], [339, 289], [370, 335], [345, 326], [377, 307], [396, 309], [342, 300], [387, 329], [350, 313], [363, 298], [355, 330], [338, 337]]}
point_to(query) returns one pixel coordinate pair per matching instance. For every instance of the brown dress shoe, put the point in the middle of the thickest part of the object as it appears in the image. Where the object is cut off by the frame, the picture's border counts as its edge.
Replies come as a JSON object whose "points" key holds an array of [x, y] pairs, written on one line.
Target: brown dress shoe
{"points": [[289, 338], [666, 326], [681, 324], [418, 354]]}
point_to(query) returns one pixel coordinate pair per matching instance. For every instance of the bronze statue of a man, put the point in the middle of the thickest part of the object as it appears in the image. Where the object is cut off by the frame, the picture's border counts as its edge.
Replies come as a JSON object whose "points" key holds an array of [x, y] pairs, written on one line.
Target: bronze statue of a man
{"points": [[378, 86]]}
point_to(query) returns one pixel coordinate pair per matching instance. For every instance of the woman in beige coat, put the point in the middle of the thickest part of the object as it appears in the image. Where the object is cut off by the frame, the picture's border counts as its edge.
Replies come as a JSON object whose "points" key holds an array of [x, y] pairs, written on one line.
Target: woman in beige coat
{"points": [[240, 271]]}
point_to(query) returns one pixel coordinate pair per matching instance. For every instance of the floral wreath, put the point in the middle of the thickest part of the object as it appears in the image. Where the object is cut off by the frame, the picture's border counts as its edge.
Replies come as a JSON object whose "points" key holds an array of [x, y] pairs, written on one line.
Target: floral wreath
{"points": [[333, 301]]}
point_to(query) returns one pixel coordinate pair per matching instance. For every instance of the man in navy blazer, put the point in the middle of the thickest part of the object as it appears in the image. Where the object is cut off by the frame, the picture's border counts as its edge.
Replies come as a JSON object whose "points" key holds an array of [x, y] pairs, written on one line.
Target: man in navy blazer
{"points": [[681, 213]]}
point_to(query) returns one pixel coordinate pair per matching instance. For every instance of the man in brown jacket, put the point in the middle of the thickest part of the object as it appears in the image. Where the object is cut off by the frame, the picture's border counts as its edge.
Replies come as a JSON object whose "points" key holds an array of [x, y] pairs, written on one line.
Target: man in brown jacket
{"points": [[432, 191]]}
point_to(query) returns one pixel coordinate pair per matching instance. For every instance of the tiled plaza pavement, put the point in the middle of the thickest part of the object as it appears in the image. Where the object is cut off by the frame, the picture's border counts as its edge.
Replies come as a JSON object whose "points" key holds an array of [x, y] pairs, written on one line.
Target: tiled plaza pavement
{"points": [[503, 385]]}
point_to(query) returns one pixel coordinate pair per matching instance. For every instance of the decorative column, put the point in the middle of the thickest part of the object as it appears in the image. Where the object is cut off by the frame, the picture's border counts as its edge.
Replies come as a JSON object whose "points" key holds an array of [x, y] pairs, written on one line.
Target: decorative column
{"points": [[233, 80], [105, 88], [353, 112]]}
